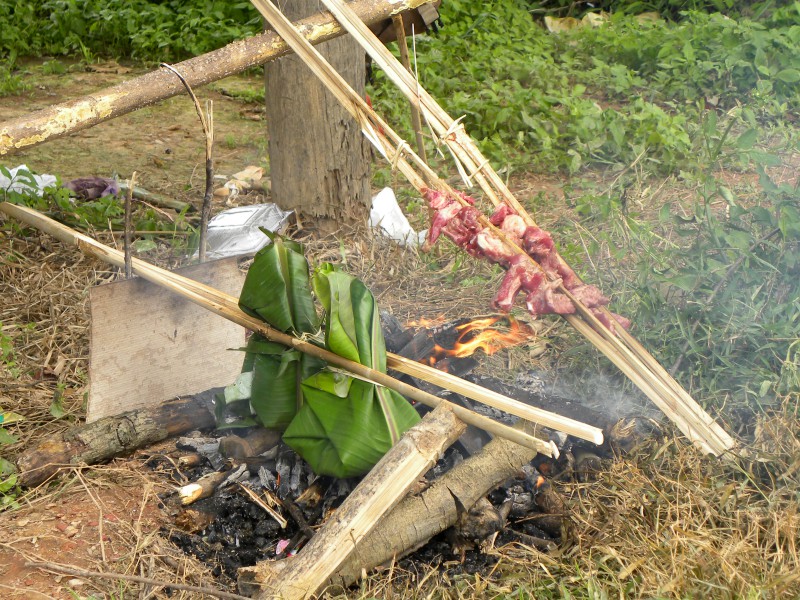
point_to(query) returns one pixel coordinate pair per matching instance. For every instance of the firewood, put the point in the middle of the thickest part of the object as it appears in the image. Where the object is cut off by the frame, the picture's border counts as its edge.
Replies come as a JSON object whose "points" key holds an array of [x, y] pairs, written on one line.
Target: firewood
{"points": [[81, 113], [377, 494], [202, 488], [109, 437], [420, 517]]}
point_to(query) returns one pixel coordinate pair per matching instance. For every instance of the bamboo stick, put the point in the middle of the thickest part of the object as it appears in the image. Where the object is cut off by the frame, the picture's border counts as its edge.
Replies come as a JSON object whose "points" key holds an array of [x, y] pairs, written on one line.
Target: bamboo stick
{"points": [[416, 118], [78, 114], [639, 365], [227, 306], [493, 399]]}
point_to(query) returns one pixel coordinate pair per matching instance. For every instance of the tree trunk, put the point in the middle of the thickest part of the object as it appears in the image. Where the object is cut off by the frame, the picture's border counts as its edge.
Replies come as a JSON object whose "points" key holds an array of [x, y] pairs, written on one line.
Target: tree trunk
{"points": [[319, 159]]}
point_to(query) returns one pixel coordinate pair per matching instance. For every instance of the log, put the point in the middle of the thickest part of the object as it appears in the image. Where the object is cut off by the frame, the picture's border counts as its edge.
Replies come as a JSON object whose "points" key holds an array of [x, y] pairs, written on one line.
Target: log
{"points": [[418, 518], [81, 113], [101, 440], [379, 492]]}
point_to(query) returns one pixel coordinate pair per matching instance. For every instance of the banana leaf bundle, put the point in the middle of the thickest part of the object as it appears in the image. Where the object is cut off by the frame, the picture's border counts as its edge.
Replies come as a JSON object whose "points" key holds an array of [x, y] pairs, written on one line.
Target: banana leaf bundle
{"points": [[340, 425]]}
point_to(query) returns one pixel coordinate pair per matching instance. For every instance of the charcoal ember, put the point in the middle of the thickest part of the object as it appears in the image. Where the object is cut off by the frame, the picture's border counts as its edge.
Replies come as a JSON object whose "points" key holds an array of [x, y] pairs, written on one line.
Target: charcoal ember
{"points": [[267, 480], [547, 499], [205, 446], [294, 474], [240, 534], [449, 459], [587, 465], [475, 525], [520, 491]]}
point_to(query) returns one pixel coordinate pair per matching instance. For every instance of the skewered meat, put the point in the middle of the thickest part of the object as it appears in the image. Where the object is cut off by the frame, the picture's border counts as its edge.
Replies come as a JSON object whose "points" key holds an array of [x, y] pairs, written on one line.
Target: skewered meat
{"points": [[589, 295], [461, 224], [493, 248], [500, 213], [514, 226], [613, 322], [521, 274], [442, 217], [546, 300]]}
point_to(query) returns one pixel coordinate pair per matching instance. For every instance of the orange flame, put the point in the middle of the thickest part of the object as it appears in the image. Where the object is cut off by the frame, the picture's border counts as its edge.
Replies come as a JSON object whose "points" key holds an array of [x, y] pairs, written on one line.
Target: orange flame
{"points": [[479, 334], [489, 334]]}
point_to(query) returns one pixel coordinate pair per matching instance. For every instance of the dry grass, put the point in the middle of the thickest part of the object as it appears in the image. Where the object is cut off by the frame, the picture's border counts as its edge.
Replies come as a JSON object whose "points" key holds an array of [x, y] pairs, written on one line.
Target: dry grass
{"points": [[662, 522]]}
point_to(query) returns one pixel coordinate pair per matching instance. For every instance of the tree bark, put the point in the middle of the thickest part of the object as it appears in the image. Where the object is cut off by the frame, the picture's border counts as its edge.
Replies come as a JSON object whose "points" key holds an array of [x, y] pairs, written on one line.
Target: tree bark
{"points": [[108, 437], [319, 160], [81, 113]]}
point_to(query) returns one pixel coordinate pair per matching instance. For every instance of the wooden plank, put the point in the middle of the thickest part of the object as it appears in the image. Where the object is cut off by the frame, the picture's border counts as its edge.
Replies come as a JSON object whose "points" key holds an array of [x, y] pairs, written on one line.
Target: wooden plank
{"points": [[149, 345]]}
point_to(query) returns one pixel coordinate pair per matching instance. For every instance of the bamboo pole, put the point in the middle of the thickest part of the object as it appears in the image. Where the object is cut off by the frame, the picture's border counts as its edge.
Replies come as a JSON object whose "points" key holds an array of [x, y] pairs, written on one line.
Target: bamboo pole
{"points": [[227, 306], [416, 118], [624, 351], [493, 399], [78, 114]]}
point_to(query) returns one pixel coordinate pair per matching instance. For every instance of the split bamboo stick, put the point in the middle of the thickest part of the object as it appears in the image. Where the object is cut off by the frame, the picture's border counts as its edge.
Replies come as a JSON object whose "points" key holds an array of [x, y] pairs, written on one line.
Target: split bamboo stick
{"points": [[491, 398], [227, 306], [624, 351]]}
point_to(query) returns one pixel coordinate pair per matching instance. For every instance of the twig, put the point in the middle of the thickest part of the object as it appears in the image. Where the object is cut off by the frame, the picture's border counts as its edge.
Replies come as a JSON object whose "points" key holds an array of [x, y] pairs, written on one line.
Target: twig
{"points": [[279, 519], [416, 120], [207, 122], [128, 226], [297, 514], [56, 568]]}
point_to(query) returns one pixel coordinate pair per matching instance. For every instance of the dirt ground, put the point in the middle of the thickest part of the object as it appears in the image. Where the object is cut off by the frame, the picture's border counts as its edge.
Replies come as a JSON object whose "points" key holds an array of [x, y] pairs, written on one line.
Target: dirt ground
{"points": [[728, 525]]}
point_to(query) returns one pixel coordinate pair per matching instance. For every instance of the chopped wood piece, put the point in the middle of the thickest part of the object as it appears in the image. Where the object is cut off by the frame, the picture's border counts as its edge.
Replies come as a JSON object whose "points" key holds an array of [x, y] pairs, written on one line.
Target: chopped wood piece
{"points": [[419, 517], [108, 437], [202, 488], [376, 495]]}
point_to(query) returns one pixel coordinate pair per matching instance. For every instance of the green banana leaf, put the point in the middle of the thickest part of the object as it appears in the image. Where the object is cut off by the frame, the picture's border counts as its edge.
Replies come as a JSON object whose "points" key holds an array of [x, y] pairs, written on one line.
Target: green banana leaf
{"points": [[270, 381], [345, 437], [352, 327], [277, 288]]}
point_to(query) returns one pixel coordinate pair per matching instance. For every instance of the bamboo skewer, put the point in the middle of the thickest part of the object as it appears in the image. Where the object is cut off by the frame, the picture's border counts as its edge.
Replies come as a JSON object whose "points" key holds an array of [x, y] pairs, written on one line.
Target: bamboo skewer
{"points": [[227, 306], [624, 351], [398, 363]]}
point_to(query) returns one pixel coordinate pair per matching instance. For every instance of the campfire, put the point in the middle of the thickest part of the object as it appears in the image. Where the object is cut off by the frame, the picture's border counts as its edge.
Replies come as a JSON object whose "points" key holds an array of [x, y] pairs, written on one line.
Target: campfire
{"points": [[335, 408]]}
